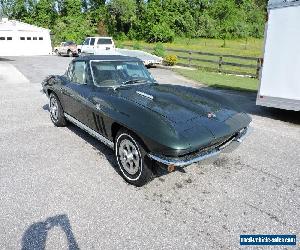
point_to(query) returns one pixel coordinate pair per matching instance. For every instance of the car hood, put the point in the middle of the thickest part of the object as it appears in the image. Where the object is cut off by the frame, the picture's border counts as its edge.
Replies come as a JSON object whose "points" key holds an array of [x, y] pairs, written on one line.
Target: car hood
{"points": [[179, 104], [179, 117]]}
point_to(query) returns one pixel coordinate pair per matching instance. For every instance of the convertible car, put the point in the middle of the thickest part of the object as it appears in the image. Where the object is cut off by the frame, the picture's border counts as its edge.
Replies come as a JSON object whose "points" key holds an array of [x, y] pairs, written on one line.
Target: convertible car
{"points": [[148, 125]]}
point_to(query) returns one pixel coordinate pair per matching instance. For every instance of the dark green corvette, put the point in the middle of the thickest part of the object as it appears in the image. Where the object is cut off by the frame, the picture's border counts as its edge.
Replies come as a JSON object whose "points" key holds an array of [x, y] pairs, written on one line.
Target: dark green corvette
{"points": [[116, 100]]}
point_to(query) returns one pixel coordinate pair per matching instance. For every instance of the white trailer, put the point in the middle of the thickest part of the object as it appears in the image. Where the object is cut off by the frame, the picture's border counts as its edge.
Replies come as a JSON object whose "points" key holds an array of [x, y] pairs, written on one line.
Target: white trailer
{"points": [[280, 75]]}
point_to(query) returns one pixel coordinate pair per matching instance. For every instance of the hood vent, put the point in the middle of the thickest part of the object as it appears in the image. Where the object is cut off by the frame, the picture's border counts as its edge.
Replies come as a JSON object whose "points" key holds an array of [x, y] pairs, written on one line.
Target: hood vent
{"points": [[145, 95]]}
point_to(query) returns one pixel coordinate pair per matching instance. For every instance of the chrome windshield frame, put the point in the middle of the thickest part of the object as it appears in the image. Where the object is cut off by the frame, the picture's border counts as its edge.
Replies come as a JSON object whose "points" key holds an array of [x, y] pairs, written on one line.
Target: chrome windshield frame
{"points": [[113, 86]]}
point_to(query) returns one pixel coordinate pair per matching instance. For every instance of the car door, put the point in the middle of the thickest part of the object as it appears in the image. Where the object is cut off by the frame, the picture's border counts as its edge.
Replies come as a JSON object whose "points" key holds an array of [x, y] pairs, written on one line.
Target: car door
{"points": [[99, 106], [85, 45], [76, 91], [91, 49], [60, 48]]}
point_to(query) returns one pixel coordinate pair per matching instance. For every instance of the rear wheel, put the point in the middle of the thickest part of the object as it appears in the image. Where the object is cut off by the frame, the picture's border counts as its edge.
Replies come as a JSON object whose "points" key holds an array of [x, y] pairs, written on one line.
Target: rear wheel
{"points": [[70, 54], [56, 111], [132, 159]]}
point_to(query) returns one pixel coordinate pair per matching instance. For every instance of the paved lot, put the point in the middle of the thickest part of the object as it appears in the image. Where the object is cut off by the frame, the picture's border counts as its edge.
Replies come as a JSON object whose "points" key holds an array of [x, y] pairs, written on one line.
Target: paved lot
{"points": [[59, 187]]}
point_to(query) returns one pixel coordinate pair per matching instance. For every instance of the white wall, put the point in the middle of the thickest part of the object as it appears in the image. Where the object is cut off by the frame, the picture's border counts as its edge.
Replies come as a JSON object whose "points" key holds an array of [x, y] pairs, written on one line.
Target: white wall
{"points": [[18, 47]]}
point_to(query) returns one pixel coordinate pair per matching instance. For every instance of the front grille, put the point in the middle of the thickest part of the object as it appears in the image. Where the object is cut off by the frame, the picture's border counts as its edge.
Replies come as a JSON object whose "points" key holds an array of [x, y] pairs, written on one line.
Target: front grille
{"points": [[213, 145]]}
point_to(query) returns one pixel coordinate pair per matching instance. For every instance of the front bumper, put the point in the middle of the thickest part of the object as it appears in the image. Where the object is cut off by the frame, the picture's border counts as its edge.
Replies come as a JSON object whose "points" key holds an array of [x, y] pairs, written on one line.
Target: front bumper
{"points": [[225, 147]]}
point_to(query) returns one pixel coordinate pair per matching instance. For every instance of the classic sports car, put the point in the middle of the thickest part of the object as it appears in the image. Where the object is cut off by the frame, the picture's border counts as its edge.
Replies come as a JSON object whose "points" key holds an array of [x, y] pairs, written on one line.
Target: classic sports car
{"points": [[115, 99]]}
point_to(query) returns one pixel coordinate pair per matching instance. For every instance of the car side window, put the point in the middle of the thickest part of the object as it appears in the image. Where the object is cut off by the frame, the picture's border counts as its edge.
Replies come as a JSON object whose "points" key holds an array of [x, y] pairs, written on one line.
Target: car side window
{"points": [[77, 73], [92, 41], [86, 41]]}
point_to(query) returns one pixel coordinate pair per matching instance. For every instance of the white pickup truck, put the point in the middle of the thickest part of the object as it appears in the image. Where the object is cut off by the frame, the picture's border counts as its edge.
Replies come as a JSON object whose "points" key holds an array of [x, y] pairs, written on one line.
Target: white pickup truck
{"points": [[106, 46], [280, 76], [92, 45]]}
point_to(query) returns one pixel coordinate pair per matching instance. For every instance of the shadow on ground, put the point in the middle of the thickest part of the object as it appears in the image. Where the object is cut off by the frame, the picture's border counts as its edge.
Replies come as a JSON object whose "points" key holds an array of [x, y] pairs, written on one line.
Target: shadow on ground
{"points": [[2, 59], [247, 101], [46, 107], [36, 235], [109, 154]]}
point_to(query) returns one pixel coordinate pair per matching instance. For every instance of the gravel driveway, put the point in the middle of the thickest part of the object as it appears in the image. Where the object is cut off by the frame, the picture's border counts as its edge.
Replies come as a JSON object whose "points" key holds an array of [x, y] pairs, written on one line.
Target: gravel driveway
{"points": [[59, 187]]}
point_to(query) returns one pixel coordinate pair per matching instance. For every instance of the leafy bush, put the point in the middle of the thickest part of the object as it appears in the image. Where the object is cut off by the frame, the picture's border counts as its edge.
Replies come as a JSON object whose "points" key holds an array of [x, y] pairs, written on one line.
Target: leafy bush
{"points": [[160, 33], [137, 46], [159, 50], [171, 60], [120, 36], [119, 45]]}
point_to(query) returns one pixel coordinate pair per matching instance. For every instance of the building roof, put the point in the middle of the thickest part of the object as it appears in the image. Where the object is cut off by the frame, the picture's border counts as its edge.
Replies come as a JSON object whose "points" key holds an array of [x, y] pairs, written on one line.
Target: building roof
{"points": [[13, 25], [107, 58]]}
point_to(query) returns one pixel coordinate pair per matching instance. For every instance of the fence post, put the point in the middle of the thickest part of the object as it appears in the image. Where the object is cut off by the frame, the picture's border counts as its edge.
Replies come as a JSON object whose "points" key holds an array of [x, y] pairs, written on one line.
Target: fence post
{"points": [[258, 67], [220, 64], [190, 58]]}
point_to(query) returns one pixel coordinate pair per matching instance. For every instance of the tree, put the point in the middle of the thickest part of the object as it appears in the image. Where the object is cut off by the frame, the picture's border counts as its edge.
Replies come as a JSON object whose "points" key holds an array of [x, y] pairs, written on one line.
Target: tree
{"points": [[71, 7], [227, 17], [43, 14], [151, 20], [19, 11], [122, 14], [6, 7], [72, 24]]}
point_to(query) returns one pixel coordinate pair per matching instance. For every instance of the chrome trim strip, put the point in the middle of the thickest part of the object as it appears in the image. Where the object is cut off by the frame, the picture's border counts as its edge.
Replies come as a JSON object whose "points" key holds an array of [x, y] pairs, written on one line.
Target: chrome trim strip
{"points": [[90, 131], [182, 163], [145, 95]]}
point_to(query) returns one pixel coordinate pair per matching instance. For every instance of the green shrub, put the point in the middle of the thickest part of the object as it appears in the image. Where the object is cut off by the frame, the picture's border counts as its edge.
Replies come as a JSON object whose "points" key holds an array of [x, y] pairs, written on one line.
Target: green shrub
{"points": [[119, 45], [160, 33], [120, 36], [137, 46], [171, 60], [159, 50]]}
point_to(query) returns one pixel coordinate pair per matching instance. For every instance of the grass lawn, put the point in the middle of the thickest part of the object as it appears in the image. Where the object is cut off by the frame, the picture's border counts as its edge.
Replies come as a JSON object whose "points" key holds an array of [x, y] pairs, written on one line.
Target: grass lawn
{"points": [[239, 47], [223, 81]]}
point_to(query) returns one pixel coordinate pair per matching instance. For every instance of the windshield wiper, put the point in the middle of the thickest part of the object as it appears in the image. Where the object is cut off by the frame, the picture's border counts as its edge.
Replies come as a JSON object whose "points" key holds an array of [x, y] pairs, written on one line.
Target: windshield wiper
{"points": [[133, 81]]}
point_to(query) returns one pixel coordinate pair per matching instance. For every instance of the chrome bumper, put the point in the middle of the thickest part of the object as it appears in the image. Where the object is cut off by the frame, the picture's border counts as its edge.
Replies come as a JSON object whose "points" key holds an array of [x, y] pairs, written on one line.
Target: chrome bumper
{"points": [[190, 159]]}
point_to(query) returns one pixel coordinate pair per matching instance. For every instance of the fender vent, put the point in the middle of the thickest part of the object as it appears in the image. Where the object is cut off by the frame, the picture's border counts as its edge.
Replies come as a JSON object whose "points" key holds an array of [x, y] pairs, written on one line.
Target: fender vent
{"points": [[99, 123]]}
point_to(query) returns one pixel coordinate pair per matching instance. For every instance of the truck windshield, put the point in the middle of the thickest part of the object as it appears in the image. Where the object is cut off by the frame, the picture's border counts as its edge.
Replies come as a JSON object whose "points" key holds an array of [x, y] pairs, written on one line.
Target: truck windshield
{"points": [[117, 73]]}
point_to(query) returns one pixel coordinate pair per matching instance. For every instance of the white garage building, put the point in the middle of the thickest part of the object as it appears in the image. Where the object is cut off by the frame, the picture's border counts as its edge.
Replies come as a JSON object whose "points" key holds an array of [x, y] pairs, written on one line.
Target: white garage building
{"points": [[20, 39]]}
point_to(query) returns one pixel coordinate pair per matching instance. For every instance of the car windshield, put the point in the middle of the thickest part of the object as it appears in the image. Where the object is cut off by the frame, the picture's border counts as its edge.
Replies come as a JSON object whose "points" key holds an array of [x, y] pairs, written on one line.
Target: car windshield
{"points": [[117, 73], [70, 43]]}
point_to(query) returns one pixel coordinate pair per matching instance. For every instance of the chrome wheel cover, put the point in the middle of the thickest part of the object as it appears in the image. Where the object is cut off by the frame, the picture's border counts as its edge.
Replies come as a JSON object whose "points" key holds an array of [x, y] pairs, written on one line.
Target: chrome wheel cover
{"points": [[54, 108], [129, 156]]}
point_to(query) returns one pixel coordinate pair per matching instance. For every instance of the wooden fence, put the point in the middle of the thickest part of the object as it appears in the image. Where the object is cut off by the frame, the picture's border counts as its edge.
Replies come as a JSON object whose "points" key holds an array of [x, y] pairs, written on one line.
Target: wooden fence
{"points": [[229, 64]]}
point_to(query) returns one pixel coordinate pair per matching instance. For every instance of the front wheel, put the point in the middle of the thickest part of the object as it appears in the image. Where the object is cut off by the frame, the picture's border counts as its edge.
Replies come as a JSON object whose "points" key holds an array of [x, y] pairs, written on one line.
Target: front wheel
{"points": [[56, 111], [132, 160]]}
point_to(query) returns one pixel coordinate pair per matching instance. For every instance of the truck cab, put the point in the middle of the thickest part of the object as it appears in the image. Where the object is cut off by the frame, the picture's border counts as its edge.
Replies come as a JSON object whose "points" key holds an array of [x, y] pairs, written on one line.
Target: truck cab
{"points": [[93, 44]]}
